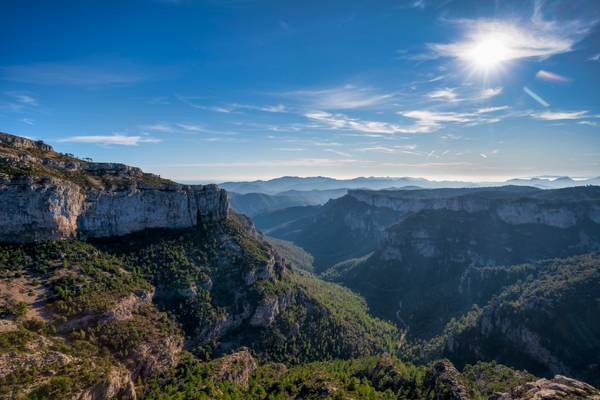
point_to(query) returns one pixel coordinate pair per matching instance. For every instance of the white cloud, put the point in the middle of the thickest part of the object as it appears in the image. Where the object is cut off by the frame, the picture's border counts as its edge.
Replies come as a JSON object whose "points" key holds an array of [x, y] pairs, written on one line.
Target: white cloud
{"points": [[190, 101], [159, 127], [164, 127], [557, 116], [22, 98], [274, 109], [533, 38], [115, 139], [453, 95], [28, 121], [379, 149], [428, 121], [425, 121], [191, 127], [406, 149], [486, 110], [340, 98], [595, 57], [341, 121], [490, 92], [448, 94]]}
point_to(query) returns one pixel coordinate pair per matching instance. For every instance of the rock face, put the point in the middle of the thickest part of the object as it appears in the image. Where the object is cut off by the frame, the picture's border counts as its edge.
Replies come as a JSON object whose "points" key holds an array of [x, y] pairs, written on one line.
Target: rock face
{"points": [[559, 387], [237, 367], [444, 382], [48, 195], [526, 206]]}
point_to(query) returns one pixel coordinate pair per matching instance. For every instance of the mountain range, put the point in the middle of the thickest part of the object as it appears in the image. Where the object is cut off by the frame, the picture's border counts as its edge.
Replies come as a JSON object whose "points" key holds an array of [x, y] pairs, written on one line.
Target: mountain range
{"points": [[115, 283]]}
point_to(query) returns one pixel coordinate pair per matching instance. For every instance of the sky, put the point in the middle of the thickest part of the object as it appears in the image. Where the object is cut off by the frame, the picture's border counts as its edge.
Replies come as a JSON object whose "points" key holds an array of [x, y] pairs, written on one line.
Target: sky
{"points": [[208, 90]]}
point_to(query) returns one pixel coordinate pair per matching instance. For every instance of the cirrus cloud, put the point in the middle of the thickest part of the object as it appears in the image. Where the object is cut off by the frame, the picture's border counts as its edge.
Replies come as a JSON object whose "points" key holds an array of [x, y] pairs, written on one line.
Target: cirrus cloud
{"points": [[114, 139]]}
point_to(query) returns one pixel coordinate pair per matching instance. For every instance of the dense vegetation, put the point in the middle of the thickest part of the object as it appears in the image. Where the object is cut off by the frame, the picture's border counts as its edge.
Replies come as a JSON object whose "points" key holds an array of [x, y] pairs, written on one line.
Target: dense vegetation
{"points": [[296, 256], [563, 295], [370, 378], [110, 303]]}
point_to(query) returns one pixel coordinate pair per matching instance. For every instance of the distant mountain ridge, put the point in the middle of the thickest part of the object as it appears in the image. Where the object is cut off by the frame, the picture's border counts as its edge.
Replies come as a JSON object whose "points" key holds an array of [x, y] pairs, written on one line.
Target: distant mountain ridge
{"points": [[286, 183], [252, 204]]}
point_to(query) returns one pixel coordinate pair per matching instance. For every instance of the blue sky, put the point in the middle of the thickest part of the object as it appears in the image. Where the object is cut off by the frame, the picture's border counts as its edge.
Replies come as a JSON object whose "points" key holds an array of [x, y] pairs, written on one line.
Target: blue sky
{"points": [[244, 89]]}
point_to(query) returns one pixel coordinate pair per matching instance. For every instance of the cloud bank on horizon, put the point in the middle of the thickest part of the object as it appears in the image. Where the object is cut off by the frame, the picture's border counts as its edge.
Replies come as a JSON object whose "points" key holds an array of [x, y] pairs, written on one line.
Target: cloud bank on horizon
{"points": [[197, 89]]}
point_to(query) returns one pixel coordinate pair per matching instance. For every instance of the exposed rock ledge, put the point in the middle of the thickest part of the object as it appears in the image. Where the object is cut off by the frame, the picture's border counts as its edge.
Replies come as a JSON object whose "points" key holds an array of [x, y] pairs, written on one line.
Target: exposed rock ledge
{"points": [[528, 210], [559, 387], [60, 196]]}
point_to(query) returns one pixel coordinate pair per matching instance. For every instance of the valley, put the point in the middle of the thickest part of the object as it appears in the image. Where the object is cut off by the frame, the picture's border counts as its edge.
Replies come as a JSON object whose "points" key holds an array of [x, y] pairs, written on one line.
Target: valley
{"points": [[119, 284]]}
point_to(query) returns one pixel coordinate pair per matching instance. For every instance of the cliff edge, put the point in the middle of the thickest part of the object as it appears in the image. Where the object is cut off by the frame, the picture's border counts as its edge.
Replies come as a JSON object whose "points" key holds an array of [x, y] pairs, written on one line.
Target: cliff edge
{"points": [[47, 195]]}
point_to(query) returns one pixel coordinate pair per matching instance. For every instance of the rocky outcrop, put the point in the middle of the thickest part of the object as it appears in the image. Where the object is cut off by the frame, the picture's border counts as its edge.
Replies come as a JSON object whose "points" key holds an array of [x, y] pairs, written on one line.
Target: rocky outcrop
{"points": [[237, 368], [47, 195], [558, 388], [23, 143], [443, 382], [116, 385]]}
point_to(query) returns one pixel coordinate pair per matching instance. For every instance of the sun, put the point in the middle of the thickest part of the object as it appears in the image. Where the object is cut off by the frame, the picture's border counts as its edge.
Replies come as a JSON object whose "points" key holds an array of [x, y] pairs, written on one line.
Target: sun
{"points": [[488, 52]]}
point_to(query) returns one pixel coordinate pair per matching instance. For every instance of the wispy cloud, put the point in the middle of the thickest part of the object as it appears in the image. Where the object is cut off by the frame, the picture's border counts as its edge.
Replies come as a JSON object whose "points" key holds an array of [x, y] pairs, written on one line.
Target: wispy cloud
{"points": [[595, 57], [448, 94], [428, 121], [22, 98], [28, 121], [341, 121], [405, 149], [17, 102], [232, 107], [424, 121], [289, 148], [340, 98], [159, 127], [337, 152], [533, 38], [551, 76], [454, 95], [486, 110], [559, 115], [115, 139], [490, 92], [74, 74], [163, 127], [303, 162], [191, 127]]}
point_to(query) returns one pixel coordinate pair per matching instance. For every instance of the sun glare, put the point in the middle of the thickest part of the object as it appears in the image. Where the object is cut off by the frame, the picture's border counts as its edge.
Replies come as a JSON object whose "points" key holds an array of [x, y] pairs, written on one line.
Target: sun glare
{"points": [[488, 52]]}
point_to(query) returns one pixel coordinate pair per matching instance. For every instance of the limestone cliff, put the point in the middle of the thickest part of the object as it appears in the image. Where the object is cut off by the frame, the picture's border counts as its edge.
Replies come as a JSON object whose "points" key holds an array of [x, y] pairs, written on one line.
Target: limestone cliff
{"points": [[515, 206], [48, 195]]}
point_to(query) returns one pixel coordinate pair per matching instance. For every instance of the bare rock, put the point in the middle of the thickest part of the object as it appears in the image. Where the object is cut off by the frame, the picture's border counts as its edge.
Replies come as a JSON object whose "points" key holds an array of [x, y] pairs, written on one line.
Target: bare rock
{"points": [[558, 388], [117, 385], [443, 382], [237, 367], [56, 196]]}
